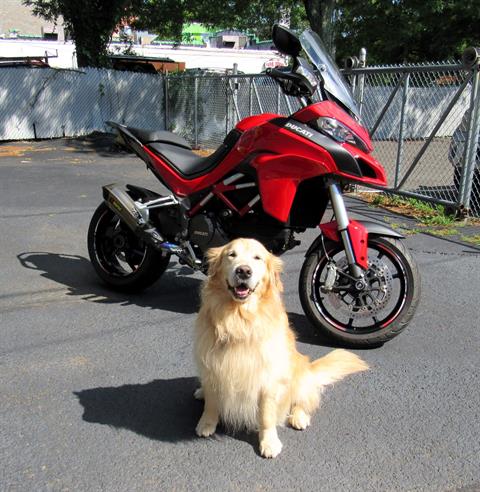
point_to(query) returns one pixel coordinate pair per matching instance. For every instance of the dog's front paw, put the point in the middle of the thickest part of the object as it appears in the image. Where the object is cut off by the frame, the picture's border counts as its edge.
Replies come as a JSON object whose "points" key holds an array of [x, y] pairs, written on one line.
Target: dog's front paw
{"points": [[205, 427], [299, 419], [270, 446]]}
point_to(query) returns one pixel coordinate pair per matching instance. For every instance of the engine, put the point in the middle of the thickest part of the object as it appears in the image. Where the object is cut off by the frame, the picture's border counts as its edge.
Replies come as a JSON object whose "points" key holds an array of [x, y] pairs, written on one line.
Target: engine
{"points": [[204, 232]]}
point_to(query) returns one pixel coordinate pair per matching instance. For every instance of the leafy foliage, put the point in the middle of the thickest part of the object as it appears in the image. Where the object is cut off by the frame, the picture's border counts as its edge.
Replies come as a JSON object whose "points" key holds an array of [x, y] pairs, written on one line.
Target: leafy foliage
{"points": [[393, 31], [397, 31], [89, 22]]}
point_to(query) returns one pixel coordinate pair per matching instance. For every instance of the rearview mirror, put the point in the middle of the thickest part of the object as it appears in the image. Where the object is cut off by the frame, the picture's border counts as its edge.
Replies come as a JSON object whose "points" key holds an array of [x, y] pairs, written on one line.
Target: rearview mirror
{"points": [[286, 41]]}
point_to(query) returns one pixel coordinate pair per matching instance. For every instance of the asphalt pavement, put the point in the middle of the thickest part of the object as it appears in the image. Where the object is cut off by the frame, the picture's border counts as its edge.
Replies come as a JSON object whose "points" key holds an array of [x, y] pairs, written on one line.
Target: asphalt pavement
{"points": [[96, 387]]}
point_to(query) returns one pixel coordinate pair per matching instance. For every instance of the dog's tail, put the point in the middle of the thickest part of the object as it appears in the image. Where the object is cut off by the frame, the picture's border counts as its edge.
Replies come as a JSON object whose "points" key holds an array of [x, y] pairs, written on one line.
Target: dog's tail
{"points": [[336, 365]]}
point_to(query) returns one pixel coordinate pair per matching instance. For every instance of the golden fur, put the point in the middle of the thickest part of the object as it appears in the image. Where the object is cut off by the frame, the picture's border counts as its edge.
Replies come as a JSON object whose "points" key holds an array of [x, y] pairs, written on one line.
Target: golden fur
{"points": [[250, 371]]}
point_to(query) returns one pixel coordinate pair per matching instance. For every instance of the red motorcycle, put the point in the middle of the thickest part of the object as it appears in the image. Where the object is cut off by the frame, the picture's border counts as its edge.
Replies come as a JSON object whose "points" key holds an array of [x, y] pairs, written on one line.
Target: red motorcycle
{"points": [[272, 178]]}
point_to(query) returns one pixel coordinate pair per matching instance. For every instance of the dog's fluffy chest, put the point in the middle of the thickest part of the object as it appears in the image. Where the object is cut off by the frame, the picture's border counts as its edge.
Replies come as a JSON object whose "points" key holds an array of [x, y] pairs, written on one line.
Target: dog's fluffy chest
{"points": [[244, 365], [239, 372]]}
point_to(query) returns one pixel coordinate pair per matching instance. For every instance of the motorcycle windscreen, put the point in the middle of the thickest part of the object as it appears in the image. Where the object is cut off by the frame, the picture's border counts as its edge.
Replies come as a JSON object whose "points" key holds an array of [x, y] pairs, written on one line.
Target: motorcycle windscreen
{"points": [[334, 83]]}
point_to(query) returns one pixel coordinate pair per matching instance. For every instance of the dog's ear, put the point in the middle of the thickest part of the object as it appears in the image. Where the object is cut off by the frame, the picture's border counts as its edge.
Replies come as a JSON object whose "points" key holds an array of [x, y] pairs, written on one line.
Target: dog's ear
{"points": [[275, 268], [214, 256]]}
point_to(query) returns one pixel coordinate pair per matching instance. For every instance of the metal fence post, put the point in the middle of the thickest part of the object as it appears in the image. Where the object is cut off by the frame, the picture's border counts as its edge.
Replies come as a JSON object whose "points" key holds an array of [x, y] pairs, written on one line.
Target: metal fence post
{"points": [[235, 90], [470, 155], [165, 100], [361, 79], [250, 97], [195, 113], [278, 98], [227, 106], [406, 84]]}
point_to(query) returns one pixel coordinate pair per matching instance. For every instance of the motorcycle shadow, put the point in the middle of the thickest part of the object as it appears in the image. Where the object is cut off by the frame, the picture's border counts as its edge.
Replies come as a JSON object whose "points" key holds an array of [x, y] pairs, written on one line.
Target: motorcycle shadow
{"points": [[176, 291], [163, 410]]}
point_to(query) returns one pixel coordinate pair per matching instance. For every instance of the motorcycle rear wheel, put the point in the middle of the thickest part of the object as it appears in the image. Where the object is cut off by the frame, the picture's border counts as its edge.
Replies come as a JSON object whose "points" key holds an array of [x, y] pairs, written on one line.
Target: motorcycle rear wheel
{"points": [[122, 260], [361, 318]]}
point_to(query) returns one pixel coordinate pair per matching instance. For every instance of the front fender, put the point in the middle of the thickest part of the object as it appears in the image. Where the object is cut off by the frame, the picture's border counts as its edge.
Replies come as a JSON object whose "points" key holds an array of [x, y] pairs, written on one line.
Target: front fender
{"points": [[330, 230]]}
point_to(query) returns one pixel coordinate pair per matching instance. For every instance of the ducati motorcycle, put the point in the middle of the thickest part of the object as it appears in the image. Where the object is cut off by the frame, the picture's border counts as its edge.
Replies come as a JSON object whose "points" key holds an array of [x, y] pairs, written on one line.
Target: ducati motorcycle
{"points": [[271, 179]]}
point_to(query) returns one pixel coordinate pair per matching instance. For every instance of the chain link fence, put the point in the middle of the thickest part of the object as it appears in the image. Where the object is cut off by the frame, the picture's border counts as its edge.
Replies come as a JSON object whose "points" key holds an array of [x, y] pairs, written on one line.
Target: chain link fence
{"points": [[204, 109], [48, 103], [424, 124], [424, 119]]}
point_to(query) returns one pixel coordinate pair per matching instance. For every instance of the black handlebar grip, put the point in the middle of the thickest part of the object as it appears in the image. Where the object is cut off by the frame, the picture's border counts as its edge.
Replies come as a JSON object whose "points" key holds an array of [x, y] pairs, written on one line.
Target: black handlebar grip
{"points": [[273, 72]]}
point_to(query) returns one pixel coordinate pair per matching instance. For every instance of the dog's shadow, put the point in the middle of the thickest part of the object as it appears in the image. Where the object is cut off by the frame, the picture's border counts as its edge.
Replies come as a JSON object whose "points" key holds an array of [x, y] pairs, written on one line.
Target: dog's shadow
{"points": [[163, 409]]}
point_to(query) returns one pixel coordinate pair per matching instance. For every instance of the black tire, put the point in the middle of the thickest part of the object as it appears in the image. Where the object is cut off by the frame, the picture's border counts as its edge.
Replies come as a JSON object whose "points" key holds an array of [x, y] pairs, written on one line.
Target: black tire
{"points": [[122, 260], [394, 281]]}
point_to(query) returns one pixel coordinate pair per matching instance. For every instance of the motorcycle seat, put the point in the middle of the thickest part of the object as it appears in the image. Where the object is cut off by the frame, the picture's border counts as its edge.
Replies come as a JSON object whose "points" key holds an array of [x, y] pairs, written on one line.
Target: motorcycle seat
{"points": [[160, 136], [188, 164]]}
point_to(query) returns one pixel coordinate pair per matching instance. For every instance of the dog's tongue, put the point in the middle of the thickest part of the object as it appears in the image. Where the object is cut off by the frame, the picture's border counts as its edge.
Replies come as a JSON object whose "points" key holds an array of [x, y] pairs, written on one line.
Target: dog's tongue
{"points": [[241, 291]]}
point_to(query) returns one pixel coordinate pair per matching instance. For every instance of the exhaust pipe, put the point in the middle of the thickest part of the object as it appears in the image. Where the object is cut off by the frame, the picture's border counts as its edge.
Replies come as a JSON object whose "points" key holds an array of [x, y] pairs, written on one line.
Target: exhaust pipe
{"points": [[120, 202]]}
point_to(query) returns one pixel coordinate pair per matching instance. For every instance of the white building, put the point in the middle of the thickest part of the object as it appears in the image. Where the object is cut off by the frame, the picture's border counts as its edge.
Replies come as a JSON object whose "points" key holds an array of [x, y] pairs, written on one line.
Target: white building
{"points": [[17, 19]]}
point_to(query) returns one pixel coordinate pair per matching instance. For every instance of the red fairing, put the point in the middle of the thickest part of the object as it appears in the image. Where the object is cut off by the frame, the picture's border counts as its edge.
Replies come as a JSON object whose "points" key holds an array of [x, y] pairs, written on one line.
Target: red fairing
{"points": [[380, 175], [284, 159], [256, 120], [331, 110], [278, 184], [358, 234]]}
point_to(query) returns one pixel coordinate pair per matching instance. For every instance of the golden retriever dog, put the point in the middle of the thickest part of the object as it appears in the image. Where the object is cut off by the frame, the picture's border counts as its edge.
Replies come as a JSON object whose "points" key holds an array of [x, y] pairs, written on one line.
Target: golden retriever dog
{"points": [[251, 375]]}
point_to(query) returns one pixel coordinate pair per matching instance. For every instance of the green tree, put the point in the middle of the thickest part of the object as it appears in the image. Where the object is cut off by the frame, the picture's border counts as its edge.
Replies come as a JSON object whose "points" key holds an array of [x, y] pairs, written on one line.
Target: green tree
{"points": [[321, 15], [398, 31], [258, 17], [164, 17], [253, 16], [90, 23]]}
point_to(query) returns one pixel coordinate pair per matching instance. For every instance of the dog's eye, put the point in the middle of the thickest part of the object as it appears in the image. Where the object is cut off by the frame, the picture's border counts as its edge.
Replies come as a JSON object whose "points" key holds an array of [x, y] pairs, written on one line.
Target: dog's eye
{"points": [[257, 257], [232, 254]]}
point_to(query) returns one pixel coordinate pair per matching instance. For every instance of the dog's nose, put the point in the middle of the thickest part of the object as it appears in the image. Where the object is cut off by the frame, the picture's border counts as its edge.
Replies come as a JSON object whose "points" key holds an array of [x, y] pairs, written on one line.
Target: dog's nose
{"points": [[243, 272]]}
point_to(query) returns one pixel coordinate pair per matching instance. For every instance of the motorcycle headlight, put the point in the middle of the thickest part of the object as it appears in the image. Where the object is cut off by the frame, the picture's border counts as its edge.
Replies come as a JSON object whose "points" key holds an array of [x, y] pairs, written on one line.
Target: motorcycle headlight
{"points": [[339, 132]]}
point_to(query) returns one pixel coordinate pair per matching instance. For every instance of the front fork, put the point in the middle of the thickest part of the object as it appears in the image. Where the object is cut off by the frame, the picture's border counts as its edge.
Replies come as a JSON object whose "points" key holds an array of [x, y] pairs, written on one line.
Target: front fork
{"points": [[353, 235]]}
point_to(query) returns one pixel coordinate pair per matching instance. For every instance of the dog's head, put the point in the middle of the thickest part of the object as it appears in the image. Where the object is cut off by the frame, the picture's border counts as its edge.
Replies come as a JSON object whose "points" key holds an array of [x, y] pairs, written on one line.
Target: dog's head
{"points": [[245, 269]]}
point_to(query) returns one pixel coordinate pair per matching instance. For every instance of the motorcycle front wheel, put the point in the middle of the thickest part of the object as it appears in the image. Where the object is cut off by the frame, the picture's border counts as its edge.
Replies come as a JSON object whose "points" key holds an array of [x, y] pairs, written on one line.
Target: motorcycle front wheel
{"points": [[368, 315], [121, 259]]}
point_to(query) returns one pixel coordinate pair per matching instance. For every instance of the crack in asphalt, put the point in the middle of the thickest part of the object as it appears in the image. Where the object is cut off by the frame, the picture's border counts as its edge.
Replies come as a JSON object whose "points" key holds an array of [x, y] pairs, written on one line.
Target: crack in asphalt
{"points": [[43, 214], [467, 254]]}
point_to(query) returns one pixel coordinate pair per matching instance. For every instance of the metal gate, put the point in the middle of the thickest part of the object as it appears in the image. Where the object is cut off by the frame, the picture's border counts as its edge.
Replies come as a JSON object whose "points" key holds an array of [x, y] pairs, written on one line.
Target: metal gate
{"points": [[424, 121]]}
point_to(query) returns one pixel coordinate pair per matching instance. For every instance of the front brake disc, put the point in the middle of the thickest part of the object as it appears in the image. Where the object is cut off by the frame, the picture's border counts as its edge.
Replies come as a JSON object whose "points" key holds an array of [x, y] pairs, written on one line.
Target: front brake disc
{"points": [[368, 302]]}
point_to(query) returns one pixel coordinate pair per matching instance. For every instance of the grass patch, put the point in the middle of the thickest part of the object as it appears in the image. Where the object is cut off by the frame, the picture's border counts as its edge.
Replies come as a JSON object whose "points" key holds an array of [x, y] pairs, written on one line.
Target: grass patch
{"points": [[426, 213], [430, 218], [475, 239]]}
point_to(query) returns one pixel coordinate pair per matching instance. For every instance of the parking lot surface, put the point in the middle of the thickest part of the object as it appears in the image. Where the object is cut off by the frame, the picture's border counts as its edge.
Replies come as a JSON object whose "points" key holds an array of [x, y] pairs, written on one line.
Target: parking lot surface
{"points": [[96, 387]]}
